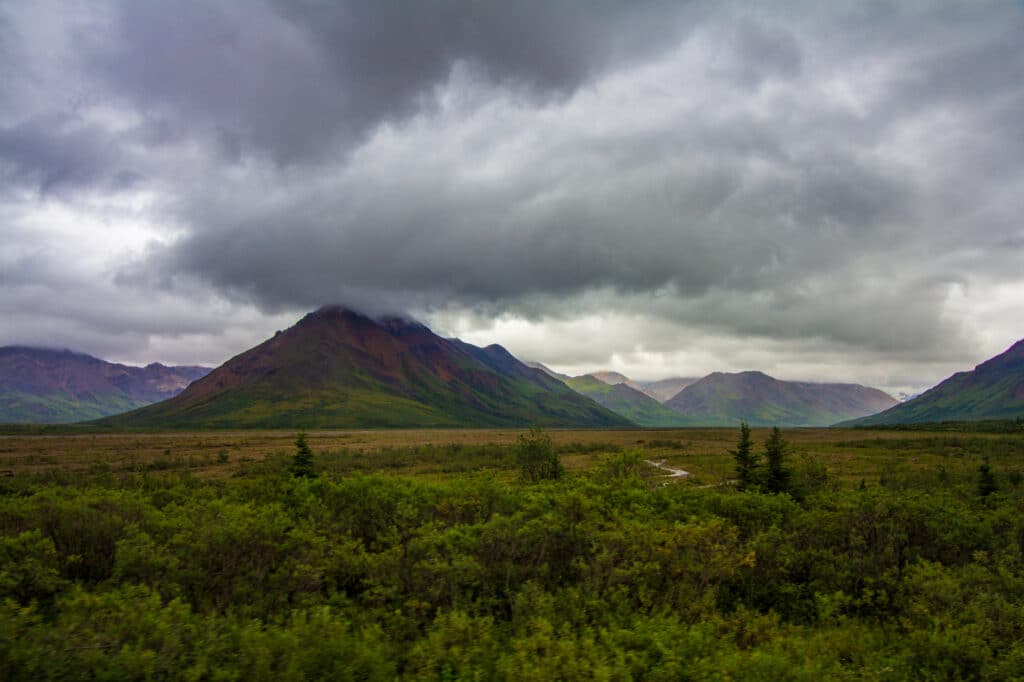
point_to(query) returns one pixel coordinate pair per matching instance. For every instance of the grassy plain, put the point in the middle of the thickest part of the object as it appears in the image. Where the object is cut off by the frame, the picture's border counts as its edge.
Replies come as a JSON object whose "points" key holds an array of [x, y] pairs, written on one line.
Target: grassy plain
{"points": [[848, 455]]}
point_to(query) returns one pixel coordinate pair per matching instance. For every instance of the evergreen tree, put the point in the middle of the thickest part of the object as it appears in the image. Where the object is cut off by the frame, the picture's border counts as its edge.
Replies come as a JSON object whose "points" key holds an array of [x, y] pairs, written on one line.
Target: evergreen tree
{"points": [[302, 460], [986, 479], [776, 475], [747, 461]]}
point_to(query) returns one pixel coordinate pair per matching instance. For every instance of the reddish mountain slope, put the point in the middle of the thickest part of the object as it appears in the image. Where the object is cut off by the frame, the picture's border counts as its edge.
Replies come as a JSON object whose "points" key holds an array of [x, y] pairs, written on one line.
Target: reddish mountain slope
{"points": [[339, 368], [39, 385]]}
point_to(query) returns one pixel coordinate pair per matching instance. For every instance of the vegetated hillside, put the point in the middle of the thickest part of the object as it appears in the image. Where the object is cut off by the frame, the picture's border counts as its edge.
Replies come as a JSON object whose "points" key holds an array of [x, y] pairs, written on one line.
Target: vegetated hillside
{"points": [[721, 399], [338, 368], [663, 390], [993, 390], [46, 386], [639, 408]]}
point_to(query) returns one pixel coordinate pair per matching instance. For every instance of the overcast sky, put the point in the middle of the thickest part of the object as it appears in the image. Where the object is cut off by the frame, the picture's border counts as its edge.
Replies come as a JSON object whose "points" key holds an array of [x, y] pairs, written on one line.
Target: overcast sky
{"points": [[821, 191]]}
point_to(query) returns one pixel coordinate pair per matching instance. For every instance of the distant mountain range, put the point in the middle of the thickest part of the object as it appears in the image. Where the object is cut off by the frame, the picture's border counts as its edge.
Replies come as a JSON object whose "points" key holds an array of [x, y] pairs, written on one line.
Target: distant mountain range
{"points": [[623, 399], [39, 385], [993, 390], [547, 370], [721, 399], [661, 390], [664, 390], [337, 368], [614, 378]]}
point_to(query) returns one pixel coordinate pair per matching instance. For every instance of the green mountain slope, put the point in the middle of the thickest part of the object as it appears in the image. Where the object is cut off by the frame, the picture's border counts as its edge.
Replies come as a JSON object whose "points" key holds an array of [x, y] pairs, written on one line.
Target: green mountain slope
{"points": [[624, 400], [993, 390], [339, 369], [721, 399], [45, 386]]}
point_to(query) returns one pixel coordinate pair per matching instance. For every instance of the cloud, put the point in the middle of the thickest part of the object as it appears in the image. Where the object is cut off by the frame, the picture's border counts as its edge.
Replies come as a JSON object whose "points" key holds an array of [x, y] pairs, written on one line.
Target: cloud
{"points": [[839, 183], [289, 79], [56, 153], [484, 199]]}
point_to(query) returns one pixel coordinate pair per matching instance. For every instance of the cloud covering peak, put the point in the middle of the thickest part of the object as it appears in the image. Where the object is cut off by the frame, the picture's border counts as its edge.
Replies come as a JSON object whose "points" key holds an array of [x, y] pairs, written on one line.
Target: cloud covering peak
{"points": [[829, 191]]}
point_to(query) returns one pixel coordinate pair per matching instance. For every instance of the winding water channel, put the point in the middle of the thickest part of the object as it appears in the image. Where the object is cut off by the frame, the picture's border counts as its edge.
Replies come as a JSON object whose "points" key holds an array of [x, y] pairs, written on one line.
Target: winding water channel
{"points": [[672, 473]]}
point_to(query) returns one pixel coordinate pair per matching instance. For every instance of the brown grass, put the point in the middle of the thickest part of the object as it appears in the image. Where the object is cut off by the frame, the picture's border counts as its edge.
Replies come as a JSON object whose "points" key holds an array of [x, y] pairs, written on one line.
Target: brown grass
{"points": [[848, 455]]}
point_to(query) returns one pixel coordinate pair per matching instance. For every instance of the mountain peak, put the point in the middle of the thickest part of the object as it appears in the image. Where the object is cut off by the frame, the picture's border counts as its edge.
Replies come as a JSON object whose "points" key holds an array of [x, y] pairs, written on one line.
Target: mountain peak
{"points": [[334, 311], [338, 367], [401, 324], [612, 378], [728, 398], [993, 390], [393, 322], [1012, 354]]}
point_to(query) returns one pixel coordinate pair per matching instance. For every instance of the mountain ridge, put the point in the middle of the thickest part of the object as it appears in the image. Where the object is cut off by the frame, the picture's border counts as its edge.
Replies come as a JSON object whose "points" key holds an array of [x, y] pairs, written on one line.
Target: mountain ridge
{"points": [[51, 385], [338, 368], [994, 389], [664, 390], [726, 399], [625, 400]]}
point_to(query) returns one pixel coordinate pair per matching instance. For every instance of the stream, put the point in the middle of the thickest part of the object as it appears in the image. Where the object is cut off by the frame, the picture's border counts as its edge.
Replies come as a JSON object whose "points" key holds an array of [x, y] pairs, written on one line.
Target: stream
{"points": [[672, 473]]}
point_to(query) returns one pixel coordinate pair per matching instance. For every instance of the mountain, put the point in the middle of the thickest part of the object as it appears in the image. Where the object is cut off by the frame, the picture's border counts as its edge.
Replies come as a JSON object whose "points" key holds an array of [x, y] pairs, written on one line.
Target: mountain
{"points": [[547, 370], [664, 389], [337, 368], [613, 378], [993, 390], [727, 399], [639, 408], [40, 385]]}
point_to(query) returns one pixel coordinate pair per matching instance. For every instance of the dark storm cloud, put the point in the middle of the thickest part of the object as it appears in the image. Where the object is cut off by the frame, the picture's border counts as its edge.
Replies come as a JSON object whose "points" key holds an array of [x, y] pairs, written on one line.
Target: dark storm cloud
{"points": [[54, 152], [764, 52], [290, 78], [484, 199], [691, 214], [802, 175]]}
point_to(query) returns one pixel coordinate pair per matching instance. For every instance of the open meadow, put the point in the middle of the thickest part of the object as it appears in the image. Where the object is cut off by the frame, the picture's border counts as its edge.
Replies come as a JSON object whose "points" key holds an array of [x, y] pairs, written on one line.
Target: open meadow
{"points": [[847, 455], [505, 554]]}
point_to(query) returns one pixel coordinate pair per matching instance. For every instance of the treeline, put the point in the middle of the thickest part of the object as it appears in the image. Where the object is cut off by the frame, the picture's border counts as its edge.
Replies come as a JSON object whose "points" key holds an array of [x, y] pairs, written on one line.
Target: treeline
{"points": [[977, 426], [292, 571]]}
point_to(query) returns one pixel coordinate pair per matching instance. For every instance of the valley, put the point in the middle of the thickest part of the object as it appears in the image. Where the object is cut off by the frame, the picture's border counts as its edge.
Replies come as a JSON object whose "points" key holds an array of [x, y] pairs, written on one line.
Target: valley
{"points": [[848, 455]]}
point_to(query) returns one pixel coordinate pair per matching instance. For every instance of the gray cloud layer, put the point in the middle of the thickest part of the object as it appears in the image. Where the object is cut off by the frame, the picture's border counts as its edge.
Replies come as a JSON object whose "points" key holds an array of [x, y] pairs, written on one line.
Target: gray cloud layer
{"points": [[291, 78], [840, 179]]}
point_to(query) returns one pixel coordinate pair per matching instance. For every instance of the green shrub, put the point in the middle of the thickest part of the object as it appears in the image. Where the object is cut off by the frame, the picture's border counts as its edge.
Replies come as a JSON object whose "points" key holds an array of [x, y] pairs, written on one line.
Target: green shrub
{"points": [[537, 458]]}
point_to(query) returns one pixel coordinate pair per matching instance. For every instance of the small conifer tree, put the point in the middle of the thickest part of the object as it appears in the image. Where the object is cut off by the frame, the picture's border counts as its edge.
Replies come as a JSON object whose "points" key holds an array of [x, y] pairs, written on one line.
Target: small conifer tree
{"points": [[747, 461], [986, 479], [302, 460], [777, 476]]}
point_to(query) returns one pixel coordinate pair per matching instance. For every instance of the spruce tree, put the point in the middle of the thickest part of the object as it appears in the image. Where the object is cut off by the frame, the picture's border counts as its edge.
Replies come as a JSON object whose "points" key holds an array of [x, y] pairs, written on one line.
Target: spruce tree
{"points": [[302, 460], [776, 475], [986, 479], [747, 461]]}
